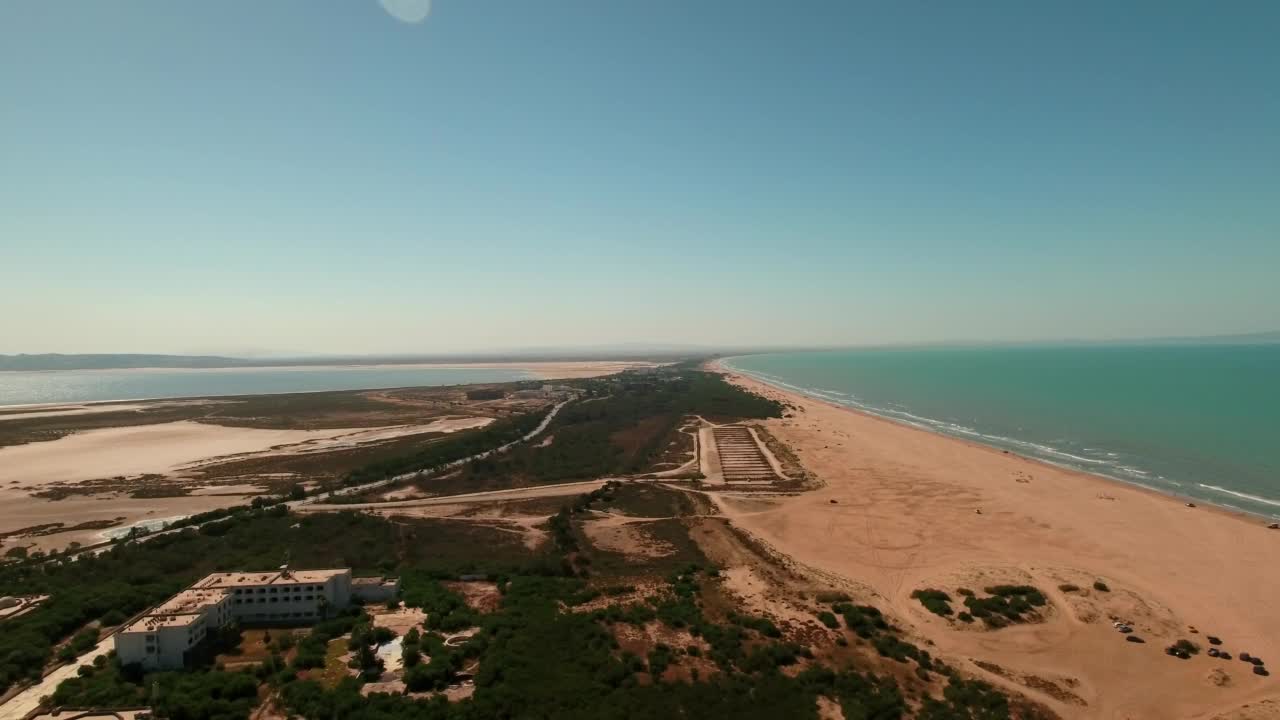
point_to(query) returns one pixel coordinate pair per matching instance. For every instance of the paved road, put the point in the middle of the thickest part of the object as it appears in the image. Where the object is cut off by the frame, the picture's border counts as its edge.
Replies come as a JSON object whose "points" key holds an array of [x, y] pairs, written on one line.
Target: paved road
{"points": [[423, 473], [20, 705], [524, 493]]}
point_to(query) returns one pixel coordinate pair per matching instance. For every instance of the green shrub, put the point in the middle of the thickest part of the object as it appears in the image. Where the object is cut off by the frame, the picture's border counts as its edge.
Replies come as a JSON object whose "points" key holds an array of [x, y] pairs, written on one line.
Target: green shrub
{"points": [[764, 626], [935, 601], [865, 620], [828, 619], [1007, 603]]}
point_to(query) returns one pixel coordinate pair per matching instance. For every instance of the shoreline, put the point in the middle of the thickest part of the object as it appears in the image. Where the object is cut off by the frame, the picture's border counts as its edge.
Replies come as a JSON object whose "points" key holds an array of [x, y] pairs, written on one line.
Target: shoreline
{"points": [[719, 365], [902, 508], [534, 366], [534, 371]]}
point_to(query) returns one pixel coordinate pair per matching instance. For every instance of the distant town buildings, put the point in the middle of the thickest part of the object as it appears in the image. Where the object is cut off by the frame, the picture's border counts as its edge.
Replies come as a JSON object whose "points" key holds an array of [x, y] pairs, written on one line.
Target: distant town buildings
{"points": [[161, 638], [547, 392]]}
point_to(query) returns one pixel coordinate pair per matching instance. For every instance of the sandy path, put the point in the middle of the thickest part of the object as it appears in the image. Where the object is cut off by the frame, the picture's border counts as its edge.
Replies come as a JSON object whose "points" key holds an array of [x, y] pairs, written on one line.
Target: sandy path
{"points": [[905, 517], [540, 491], [25, 702]]}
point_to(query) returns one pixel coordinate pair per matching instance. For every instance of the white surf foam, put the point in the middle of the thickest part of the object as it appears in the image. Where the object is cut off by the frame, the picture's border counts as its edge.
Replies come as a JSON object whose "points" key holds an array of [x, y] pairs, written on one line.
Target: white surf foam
{"points": [[1246, 496]]}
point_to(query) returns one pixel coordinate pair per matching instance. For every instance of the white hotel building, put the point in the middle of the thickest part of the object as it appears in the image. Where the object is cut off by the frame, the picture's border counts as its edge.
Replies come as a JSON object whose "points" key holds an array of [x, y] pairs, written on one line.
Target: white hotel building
{"points": [[161, 638]]}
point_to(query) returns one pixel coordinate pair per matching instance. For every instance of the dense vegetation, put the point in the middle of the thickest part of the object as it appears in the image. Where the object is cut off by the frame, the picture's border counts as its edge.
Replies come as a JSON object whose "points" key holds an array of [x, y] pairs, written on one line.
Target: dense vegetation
{"points": [[536, 657], [621, 426], [128, 578], [448, 450]]}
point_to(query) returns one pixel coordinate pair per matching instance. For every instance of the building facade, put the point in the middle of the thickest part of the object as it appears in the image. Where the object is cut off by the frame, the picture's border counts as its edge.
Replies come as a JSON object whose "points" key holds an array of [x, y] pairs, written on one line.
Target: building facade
{"points": [[162, 638]]}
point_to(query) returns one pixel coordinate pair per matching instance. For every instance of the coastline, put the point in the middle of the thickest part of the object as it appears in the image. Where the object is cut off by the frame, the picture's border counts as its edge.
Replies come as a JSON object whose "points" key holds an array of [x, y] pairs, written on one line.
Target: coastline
{"points": [[904, 508], [549, 370], [536, 367], [719, 365]]}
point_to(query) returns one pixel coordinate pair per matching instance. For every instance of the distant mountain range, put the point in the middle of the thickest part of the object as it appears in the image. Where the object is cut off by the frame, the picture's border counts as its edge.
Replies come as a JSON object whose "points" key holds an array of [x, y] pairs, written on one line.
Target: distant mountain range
{"points": [[55, 361]]}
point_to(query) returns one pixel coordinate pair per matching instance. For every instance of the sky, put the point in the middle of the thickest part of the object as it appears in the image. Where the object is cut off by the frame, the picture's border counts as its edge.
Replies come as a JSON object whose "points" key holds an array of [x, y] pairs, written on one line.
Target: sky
{"points": [[364, 177]]}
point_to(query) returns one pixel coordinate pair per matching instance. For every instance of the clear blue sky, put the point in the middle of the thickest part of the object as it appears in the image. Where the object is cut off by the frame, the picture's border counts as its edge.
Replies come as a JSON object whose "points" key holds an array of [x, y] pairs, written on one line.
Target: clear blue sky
{"points": [[300, 176]]}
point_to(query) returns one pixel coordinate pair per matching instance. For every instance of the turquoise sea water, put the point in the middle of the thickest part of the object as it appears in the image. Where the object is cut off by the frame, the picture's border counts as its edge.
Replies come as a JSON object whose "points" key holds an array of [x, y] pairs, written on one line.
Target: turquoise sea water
{"points": [[20, 388], [1198, 421]]}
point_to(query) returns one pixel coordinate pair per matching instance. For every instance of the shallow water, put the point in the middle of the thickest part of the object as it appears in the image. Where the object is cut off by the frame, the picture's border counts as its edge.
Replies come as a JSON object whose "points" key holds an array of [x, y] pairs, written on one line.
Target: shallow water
{"points": [[20, 388]]}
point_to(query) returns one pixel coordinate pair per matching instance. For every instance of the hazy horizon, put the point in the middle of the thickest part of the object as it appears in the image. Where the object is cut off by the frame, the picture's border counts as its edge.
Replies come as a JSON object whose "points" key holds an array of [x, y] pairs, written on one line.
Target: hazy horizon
{"points": [[278, 179], [639, 349]]}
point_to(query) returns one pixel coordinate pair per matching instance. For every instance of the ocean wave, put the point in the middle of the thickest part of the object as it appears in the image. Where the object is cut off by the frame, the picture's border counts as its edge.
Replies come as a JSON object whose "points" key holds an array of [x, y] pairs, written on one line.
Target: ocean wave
{"points": [[1039, 450], [1246, 496], [1095, 460]]}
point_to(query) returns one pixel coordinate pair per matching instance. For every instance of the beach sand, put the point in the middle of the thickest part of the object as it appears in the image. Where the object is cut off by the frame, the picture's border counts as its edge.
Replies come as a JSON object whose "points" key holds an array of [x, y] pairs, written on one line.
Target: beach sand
{"points": [[900, 512]]}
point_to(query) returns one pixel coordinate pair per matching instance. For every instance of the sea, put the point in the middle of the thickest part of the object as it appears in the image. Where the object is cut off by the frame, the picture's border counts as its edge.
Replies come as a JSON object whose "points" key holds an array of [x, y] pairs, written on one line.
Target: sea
{"points": [[71, 386], [1196, 421]]}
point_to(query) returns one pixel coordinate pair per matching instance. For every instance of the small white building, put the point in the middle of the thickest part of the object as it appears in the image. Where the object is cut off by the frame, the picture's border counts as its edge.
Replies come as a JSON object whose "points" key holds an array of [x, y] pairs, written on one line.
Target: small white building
{"points": [[375, 589], [161, 638]]}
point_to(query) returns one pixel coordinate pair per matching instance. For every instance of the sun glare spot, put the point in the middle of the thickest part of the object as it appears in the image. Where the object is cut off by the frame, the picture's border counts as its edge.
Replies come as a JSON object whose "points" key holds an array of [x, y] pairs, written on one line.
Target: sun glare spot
{"points": [[408, 11]]}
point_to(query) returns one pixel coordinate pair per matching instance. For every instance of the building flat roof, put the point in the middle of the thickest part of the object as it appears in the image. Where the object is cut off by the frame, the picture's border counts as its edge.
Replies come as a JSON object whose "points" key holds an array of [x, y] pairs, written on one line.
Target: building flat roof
{"points": [[151, 623], [189, 605], [271, 577], [189, 601], [374, 581], [182, 609]]}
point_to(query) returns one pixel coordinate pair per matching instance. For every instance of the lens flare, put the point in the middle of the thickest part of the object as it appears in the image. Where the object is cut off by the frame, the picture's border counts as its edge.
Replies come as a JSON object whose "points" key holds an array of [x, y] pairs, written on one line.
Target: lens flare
{"points": [[407, 11]]}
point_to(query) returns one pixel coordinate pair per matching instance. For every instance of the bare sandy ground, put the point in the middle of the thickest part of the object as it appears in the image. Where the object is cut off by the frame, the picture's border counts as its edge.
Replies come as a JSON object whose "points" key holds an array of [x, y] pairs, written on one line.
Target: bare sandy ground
{"points": [[900, 511], [28, 412], [174, 449], [171, 448]]}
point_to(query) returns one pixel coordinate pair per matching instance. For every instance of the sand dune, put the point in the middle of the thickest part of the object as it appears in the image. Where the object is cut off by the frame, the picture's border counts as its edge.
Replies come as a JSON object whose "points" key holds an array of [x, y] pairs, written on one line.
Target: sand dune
{"points": [[171, 448], [900, 511], [175, 449]]}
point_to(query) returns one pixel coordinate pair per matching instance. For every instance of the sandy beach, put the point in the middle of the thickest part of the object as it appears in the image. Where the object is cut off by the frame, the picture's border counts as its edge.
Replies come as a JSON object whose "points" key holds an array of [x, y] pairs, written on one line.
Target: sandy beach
{"points": [[904, 509]]}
